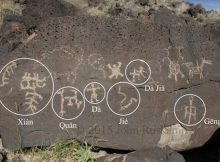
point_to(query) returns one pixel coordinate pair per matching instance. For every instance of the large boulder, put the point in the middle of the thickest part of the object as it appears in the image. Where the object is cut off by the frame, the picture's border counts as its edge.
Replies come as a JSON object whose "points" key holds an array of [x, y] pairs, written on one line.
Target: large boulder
{"points": [[183, 58], [148, 155]]}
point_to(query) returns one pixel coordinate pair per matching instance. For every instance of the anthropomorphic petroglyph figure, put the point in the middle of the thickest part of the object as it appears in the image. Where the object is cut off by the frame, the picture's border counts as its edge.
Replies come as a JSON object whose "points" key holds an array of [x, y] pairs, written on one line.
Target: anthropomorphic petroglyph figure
{"points": [[174, 65], [138, 74], [190, 111], [197, 69], [71, 100], [98, 63], [125, 102], [30, 83], [94, 95], [115, 70], [9, 70]]}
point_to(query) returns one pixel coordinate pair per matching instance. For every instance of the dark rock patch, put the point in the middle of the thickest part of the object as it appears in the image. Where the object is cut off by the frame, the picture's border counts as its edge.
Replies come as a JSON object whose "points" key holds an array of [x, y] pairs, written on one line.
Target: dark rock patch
{"points": [[149, 155], [37, 11]]}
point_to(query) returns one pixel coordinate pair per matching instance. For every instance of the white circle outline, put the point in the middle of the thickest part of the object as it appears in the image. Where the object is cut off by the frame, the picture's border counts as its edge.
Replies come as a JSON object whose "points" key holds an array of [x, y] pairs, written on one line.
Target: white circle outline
{"points": [[127, 69], [26, 58], [77, 91], [189, 125], [84, 92], [139, 95]]}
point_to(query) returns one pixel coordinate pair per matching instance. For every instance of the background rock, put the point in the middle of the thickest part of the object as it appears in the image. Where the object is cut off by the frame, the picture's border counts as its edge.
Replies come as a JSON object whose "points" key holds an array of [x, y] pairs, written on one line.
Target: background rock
{"points": [[37, 11]]}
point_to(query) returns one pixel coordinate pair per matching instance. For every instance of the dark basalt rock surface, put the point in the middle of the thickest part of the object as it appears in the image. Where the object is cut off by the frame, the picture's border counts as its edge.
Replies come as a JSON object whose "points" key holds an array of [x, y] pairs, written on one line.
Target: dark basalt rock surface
{"points": [[16, 27], [80, 50], [37, 11]]}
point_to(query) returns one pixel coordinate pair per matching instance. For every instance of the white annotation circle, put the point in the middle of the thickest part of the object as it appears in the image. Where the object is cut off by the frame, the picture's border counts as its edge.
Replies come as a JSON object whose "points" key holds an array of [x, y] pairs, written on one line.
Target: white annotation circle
{"points": [[104, 94], [190, 125], [51, 92], [68, 87], [138, 60], [107, 99]]}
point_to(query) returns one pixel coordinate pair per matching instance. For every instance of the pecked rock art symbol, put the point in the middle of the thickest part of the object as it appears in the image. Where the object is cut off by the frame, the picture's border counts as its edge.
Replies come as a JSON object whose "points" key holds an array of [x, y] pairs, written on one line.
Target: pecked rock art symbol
{"points": [[94, 95], [69, 100], [30, 83], [28, 89], [69, 59], [124, 104], [9, 70], [197, 69], [98, 63], [190, 110], [94, 92], [174, 65], [138, 73], [68, 103], [115, 70], [123, 98]]}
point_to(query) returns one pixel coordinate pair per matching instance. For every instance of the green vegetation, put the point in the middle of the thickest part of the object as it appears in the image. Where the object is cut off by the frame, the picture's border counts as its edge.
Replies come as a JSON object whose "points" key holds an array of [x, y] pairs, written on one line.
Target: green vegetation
{"points": [[70, 150], [8, 5]]}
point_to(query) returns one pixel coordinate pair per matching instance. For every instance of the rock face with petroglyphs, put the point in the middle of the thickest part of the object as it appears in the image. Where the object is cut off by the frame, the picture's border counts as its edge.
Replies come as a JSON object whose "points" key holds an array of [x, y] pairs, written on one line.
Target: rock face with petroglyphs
{"points": [[118, 84]]}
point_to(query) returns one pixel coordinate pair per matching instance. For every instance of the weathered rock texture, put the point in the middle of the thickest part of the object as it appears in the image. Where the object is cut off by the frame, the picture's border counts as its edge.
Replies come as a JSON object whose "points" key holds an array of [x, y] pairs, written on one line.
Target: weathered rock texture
{"points": [[149, 155], [80, 50], [37, 11], [141, 9], [21, 21]]}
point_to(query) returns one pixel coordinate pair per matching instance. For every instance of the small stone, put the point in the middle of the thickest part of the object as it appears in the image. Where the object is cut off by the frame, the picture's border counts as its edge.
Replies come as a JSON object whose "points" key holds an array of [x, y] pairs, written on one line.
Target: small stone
{"points": [[192, 12], [22, 1], [144, 2], [17, 159], [1, 157]]}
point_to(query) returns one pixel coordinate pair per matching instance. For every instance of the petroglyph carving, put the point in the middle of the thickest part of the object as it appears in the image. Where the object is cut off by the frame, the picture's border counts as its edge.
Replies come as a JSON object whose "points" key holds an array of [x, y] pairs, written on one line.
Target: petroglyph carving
{"points": [[16, 106], [174, 65], [151, 81], [71, 100], [165, 114], [94, 95], [115, 70], [98, 63], [61, 93], [31, 83], [197, 69], [10, 91], [138, 73], [190, 111], [66, 54], [124, 104], [9, 70]]}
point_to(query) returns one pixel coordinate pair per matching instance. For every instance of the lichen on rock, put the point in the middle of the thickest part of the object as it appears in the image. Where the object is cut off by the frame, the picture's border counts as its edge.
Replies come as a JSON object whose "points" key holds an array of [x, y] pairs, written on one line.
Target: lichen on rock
{"points": [[176, 137]]}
